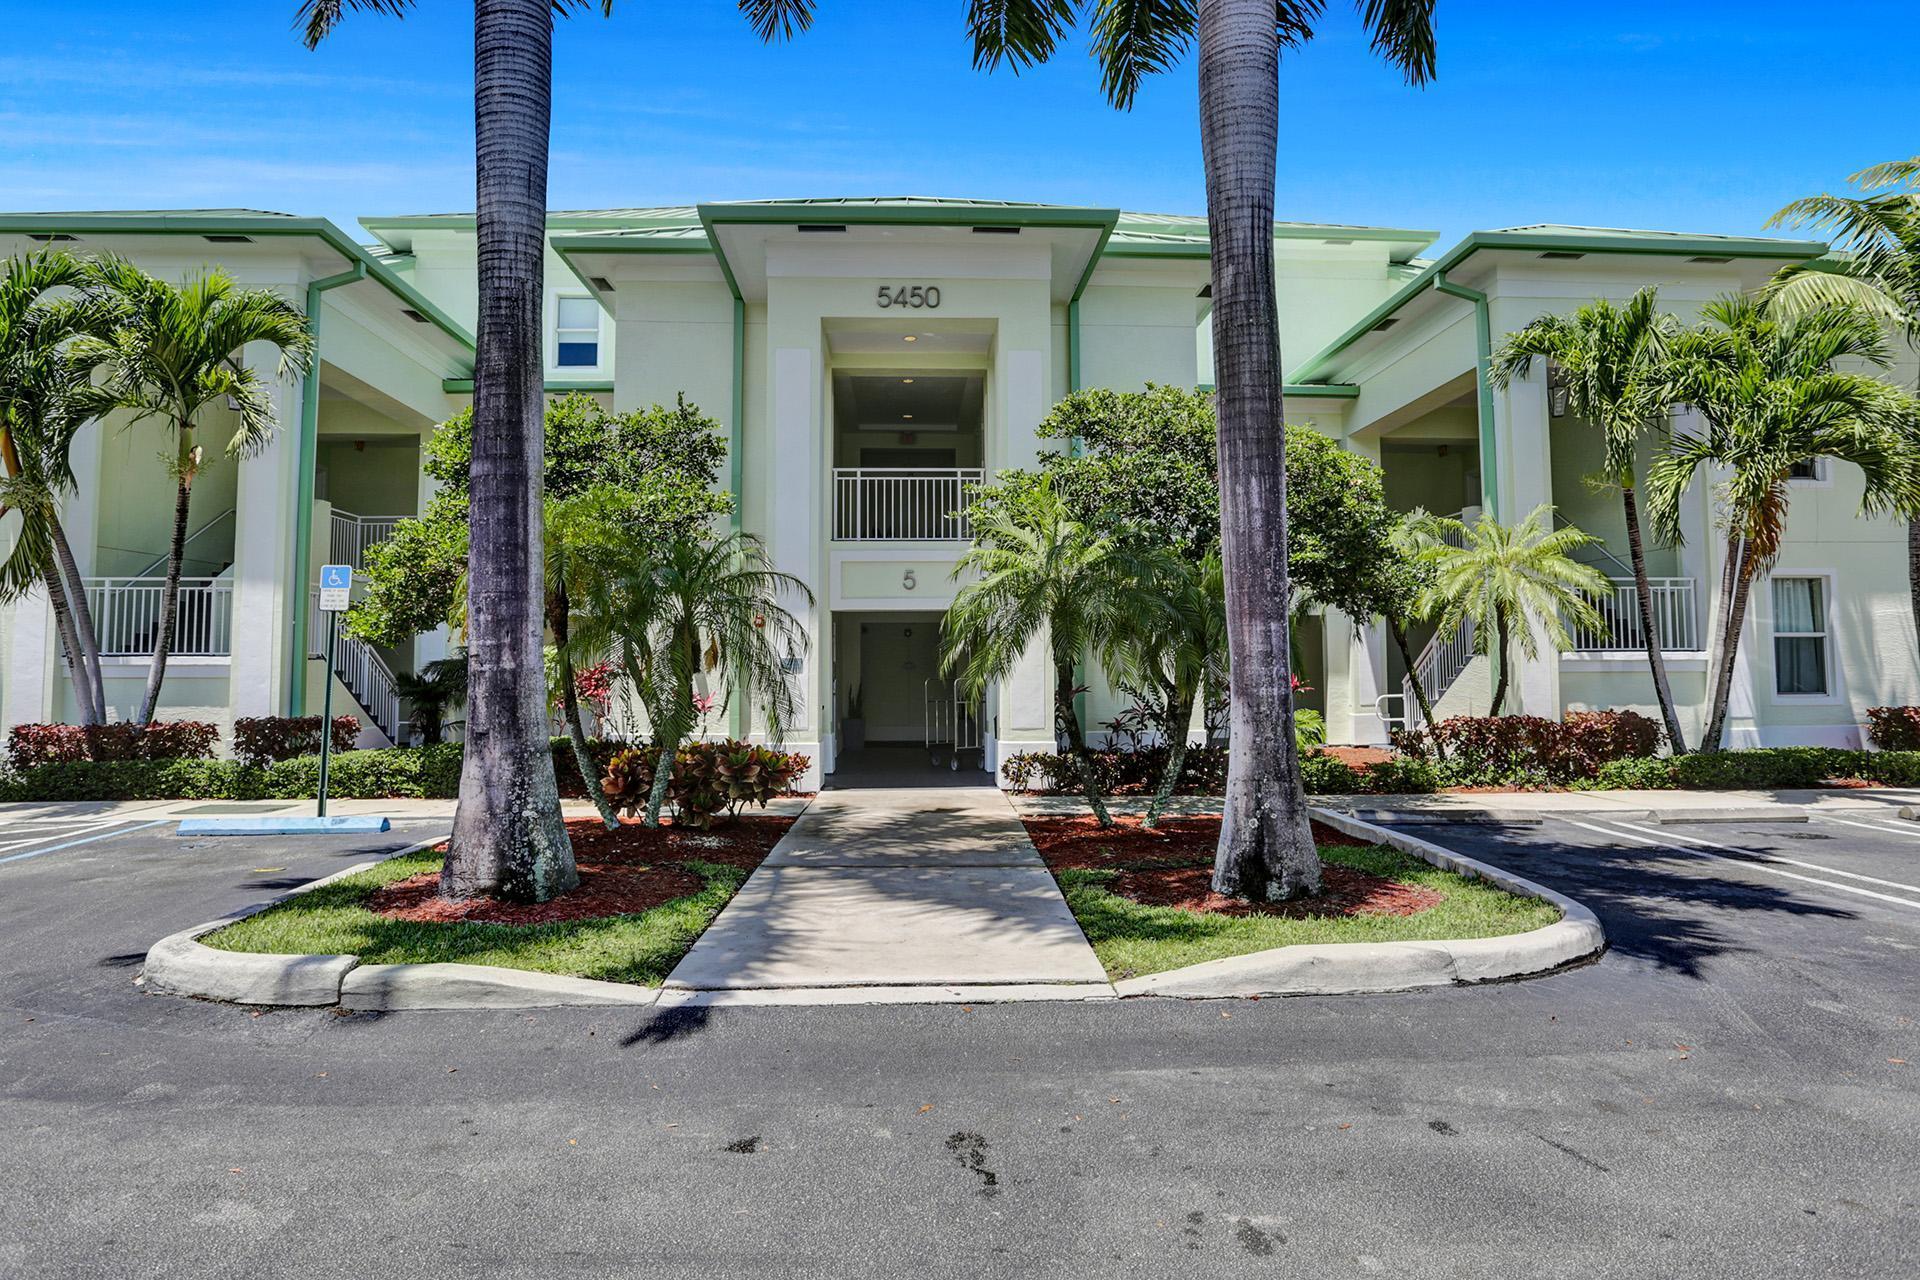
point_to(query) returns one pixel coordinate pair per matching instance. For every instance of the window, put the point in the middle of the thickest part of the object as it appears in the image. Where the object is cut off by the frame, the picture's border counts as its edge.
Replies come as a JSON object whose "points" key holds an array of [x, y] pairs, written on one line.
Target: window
{"points": [[1811, 469], [1800, 635], [576, 332]]}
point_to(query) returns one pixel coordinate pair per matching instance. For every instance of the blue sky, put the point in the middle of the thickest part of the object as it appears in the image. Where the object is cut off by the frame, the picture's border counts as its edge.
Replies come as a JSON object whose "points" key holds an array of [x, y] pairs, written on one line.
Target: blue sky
{"points": [[1678, 116]]}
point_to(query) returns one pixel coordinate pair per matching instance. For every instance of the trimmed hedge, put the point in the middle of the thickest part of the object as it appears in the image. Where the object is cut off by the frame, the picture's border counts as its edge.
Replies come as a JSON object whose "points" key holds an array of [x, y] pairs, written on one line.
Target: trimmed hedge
{"points": [[1530, 750], [431, 773], [1758, 769]]}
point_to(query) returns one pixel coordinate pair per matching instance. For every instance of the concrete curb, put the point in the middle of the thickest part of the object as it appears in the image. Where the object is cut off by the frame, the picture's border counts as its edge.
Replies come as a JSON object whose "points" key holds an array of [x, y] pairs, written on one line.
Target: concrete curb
{"points": [[389, 987], [1356, 968], [181, 965]]}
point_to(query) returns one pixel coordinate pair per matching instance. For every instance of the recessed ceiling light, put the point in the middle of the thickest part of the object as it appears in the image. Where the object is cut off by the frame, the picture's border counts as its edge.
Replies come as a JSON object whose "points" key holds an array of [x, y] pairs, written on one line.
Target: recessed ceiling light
{"points": [[908, 381], [910, 338], [906, 417]]}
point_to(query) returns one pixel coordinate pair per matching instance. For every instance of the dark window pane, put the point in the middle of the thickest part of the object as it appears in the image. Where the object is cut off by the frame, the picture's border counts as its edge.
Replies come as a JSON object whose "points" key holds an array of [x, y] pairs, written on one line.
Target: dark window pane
{"points": [[579, 353], [1800, 664]]}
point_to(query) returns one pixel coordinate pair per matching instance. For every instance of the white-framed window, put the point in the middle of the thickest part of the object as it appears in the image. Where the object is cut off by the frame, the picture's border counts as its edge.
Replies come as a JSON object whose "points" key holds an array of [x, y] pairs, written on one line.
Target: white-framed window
{"points": [[576, 331], [1814, 471], [1800, 649]]}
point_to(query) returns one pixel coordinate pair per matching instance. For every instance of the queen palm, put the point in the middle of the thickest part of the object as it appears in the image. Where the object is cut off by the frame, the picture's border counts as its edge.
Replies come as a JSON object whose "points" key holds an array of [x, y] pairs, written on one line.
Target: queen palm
{"points": [[174, 354], [1766, 384], [1613, 360], [685, 609], [1878, 270], [1172, 646], [1266, 846], [46, 395], [1034, 569], [1517, 584]]}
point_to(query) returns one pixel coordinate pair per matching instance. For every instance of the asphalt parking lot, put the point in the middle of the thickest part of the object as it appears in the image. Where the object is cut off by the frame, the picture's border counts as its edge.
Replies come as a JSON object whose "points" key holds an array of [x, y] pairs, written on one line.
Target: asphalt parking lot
{"points": [[1730, 1091]]}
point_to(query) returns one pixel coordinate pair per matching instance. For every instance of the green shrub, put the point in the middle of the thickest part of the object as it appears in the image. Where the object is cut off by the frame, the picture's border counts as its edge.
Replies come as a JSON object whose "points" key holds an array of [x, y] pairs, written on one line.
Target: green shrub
{"points": [[1327, 775], [1893, 768]]}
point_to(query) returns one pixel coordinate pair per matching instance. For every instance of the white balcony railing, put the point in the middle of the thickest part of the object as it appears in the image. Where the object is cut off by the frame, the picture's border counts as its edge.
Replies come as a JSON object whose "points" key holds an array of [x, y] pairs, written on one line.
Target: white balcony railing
{"points": [[1674, 618], [126, 616], [351, 535], [912, 504]]}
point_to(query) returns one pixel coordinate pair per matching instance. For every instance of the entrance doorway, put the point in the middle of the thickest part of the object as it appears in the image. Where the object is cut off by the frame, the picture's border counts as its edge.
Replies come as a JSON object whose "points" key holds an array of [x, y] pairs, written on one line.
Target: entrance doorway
{"points": [[898, 721]]}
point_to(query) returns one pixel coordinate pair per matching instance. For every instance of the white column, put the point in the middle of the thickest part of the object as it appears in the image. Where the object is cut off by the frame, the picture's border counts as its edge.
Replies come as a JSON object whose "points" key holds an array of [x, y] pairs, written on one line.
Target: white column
{"points": [[1525, 480], [266, 588], [795, 528], [1023, 720], [32, 651]]}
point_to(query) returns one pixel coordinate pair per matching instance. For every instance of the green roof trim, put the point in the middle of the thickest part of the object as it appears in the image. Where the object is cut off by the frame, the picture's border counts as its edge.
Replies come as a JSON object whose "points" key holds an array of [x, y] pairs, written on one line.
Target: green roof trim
{"points": [[1315, 391], [1549, 239], [194, 222], [556, 386]]}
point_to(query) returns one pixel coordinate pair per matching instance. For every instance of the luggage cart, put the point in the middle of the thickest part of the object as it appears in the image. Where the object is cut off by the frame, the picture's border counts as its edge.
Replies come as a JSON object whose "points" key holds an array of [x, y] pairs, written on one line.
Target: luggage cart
{"points": [[952, 724]]}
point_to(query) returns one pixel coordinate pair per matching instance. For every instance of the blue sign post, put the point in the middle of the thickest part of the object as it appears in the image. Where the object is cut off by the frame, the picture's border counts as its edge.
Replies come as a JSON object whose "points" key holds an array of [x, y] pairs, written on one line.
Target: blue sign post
{"points": [[336, 586]]}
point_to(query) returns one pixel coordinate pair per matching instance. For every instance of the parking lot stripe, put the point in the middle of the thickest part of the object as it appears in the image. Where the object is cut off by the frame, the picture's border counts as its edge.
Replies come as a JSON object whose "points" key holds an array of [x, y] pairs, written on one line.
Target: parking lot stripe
{"points": [[34, 853], [1905, 832], [1777, 857], [1757, 861]]}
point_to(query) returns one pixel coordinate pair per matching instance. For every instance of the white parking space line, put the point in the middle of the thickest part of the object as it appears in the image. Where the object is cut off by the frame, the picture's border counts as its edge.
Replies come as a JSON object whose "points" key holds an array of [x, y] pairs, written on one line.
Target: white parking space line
{"points": [[1774, 857], [119, 829], [1906, 830], [1761, 862]]}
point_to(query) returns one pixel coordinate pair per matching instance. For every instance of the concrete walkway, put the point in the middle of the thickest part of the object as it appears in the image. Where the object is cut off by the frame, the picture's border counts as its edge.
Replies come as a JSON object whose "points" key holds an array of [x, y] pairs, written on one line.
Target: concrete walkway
{"points": [[884, 890]]}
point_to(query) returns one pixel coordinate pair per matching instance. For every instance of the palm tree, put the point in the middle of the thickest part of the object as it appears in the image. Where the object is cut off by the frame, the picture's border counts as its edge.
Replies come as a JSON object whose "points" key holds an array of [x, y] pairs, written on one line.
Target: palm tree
{"points": [[1767, 386], [574, 529], [1613, 359], [1266, 845], [1514, 583], [1036, 568], [440, 684], [1397, 583], [174, 353], [688, 609], [46, 395], [1171, 645], [1879, 270], [508, 836]]}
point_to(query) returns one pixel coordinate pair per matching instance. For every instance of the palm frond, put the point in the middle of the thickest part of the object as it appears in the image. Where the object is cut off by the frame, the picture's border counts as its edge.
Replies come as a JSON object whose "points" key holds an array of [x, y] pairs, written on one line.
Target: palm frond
{"points": [[1402, 33], [776, 19]]}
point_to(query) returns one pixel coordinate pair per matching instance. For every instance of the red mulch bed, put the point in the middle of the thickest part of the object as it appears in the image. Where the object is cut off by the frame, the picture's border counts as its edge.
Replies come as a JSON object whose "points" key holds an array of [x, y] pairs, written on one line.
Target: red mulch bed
{"points": [[1172, 866], [622, 872], [1345, 892], [1360, 757]]}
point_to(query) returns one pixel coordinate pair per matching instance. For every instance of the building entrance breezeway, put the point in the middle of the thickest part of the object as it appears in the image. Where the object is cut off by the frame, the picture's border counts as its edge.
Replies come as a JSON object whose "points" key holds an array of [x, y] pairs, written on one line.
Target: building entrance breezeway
{"points": [[898, 721]]}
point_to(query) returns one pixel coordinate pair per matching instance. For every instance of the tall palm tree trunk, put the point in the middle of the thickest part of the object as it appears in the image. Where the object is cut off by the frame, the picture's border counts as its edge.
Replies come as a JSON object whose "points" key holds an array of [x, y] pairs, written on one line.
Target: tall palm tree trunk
{"points": [[1729, 646], [570, 707], [90, 712], [508, 837], [1503, 654], [1643, 592], [1722, 613], [1266, 848], [1179, 717], [82, 612], [170, 593], [1399, 633], [1068, 717]]}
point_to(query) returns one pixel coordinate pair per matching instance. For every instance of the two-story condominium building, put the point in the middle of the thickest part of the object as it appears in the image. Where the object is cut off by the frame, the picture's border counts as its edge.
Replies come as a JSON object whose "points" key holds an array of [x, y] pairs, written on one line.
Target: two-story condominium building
{"points": [[870, 360]]}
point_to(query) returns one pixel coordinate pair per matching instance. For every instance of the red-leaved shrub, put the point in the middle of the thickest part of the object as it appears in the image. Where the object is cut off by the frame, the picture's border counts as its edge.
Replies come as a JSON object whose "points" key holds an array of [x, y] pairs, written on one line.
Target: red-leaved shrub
{"points": [[1894, 728], [29, 745], [260, 740], [1495, 749]]}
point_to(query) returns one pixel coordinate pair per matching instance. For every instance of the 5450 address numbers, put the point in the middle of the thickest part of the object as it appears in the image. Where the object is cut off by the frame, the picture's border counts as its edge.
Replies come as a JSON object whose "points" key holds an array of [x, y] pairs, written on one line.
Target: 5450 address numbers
{"points": [[917, 296]]}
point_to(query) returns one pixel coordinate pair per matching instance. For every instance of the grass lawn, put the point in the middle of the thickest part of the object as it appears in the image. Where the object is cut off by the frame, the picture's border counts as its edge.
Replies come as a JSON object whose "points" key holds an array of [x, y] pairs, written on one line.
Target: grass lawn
{"points": [[1393, 898], [639, 946]]}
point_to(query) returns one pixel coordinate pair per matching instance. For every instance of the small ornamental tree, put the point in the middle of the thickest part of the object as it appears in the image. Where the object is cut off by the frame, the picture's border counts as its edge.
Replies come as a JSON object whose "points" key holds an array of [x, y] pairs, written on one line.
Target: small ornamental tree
{"points": [[665, 459]]}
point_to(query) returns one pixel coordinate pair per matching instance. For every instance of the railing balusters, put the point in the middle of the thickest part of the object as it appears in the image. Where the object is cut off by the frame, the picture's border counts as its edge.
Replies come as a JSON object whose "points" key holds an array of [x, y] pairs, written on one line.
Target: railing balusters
{"points": [[907, 504]]}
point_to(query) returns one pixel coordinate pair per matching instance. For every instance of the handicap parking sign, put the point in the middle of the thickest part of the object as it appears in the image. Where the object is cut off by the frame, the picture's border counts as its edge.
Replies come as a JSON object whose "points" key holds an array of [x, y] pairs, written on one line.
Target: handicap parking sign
{"points": [[336, 583]]}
